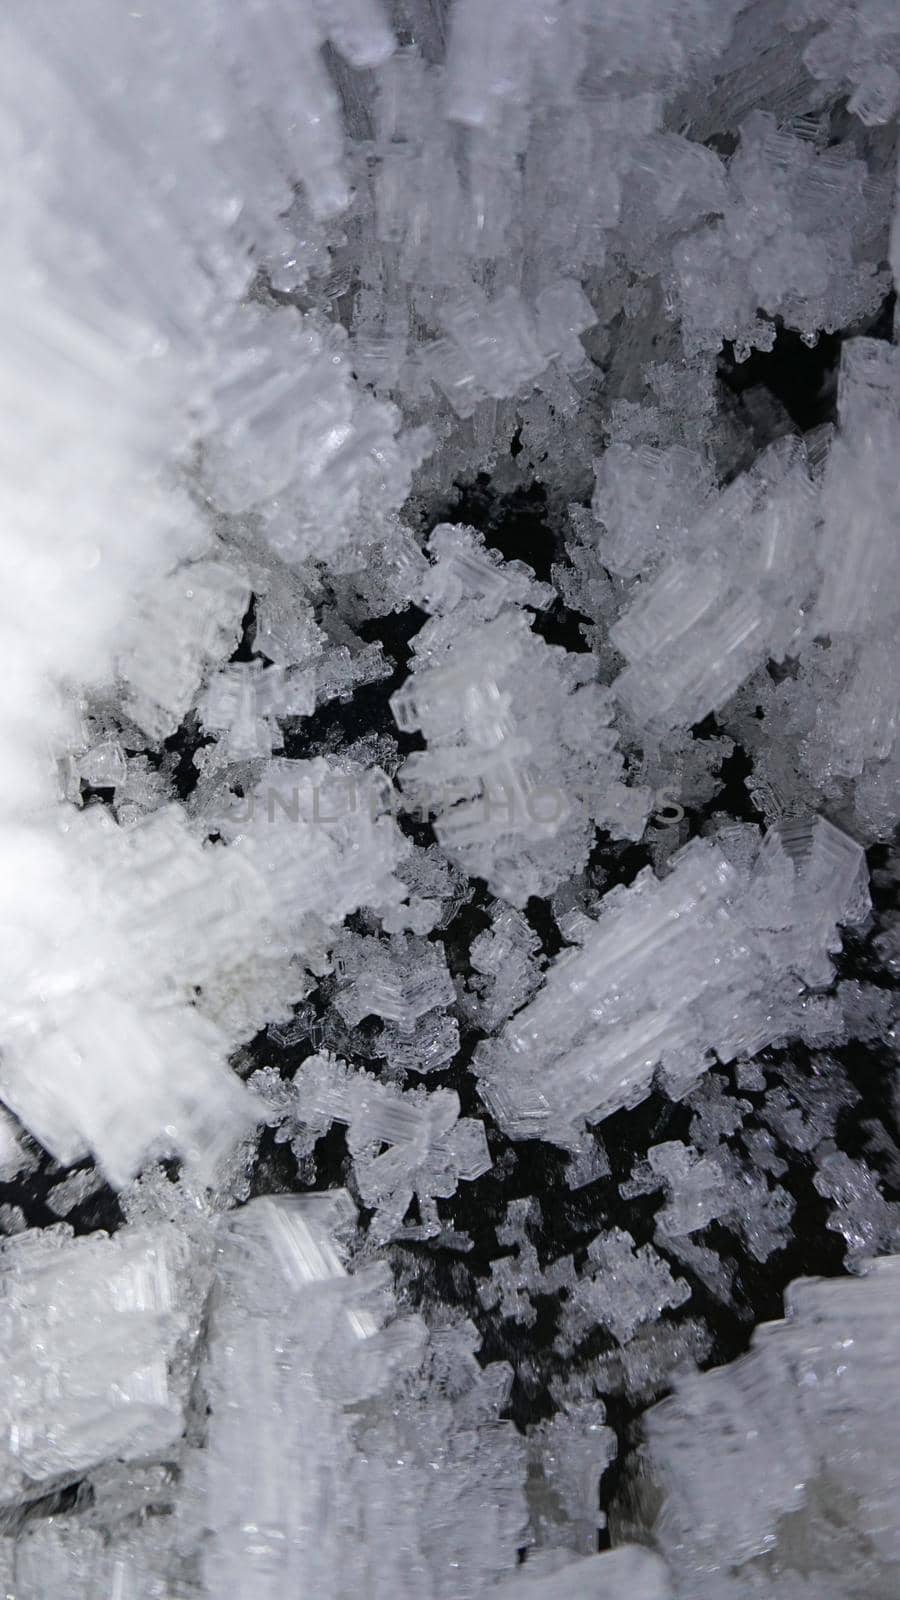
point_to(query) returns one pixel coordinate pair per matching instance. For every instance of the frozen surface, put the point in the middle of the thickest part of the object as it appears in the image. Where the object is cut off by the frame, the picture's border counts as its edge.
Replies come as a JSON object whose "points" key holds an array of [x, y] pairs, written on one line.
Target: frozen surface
{"points": [[448, 495]]}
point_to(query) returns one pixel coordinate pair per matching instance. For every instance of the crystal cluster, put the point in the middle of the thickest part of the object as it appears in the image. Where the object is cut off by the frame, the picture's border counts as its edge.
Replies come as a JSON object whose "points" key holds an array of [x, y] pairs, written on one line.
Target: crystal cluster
{"points": [[743, 1517], [448, 496], [659, 968]]}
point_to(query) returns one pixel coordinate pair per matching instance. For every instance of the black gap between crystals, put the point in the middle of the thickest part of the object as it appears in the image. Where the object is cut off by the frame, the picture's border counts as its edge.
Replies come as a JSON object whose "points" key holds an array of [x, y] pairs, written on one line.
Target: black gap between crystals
{"points": [[514, 524], [367, 710], [518, 526], [802, 378], [100, 1211]]}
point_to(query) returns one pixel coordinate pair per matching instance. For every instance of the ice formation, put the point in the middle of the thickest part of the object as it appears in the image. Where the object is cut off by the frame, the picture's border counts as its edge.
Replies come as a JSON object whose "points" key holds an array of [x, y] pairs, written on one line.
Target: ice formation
{"points": [[659, 969], [448, 998], [811, 1383]]}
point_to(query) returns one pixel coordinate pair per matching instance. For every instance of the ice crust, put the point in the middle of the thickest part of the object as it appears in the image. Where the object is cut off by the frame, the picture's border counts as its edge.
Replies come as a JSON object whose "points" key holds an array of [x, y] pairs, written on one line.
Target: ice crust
{"points": [[360, 841]]}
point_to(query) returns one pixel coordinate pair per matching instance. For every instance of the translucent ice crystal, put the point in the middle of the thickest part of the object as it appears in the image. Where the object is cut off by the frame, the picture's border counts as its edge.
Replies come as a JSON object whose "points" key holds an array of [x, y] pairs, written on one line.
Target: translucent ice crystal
{"points": [[803, 265], [325, 1409], [56, 1560], [293, 441], [495, 348], [622, 1287], [403, 1143], [857, 46], [700, 626], [506, 719], [95, 1331], [670, 969], [243, 703], [753, 1458]]}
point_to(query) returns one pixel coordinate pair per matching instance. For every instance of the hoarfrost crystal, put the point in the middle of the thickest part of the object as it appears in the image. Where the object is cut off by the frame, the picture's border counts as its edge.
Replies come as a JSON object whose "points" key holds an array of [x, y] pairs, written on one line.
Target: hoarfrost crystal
{"points": [[448, 500]]}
